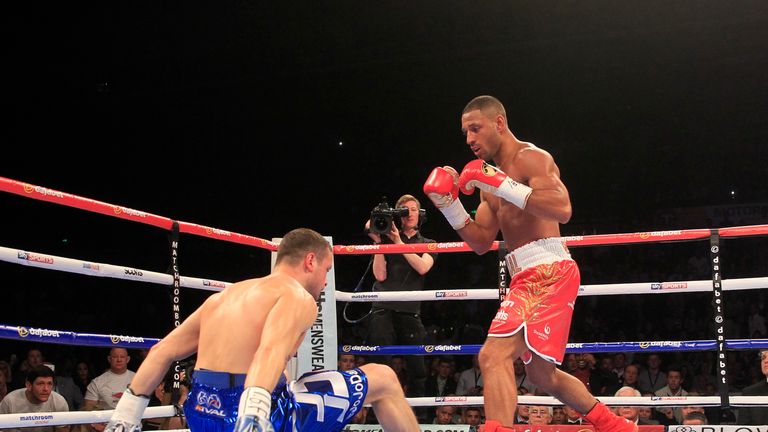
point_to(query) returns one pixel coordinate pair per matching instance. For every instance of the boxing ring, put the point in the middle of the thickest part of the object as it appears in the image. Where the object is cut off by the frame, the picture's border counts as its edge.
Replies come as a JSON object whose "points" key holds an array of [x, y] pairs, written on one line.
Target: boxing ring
{"points": [[320, 348]]}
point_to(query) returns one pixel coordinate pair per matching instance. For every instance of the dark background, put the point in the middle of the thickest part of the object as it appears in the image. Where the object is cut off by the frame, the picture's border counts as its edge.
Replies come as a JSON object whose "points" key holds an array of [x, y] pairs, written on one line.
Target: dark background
{"points": [[230, 115]]}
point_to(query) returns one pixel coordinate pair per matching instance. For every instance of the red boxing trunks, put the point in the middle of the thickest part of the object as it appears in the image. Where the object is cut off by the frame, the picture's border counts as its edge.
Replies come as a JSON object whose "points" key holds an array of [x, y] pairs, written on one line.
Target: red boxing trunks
{"points": [[542, 292]]}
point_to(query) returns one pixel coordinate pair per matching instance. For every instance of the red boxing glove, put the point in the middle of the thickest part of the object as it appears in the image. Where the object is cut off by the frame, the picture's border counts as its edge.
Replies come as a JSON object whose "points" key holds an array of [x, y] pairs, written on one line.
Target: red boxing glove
{"points": [[442, 187], [488, 178]]}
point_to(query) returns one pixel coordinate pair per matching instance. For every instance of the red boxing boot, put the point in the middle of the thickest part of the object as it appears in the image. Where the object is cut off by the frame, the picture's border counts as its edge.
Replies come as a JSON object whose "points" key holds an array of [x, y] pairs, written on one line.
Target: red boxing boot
{"points": [[604, 420]]}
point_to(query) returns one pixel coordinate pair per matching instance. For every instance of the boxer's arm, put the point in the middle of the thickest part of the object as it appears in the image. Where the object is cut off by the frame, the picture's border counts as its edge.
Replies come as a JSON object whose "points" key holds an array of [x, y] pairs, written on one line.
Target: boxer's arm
{"points": [[179, 344], [481, 232], [550, 198], [289, 318]]}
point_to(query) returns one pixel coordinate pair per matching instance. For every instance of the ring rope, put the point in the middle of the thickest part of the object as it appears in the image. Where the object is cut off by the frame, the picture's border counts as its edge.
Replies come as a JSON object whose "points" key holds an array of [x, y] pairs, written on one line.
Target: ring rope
{"points": [[90, 268], [61, 418]]}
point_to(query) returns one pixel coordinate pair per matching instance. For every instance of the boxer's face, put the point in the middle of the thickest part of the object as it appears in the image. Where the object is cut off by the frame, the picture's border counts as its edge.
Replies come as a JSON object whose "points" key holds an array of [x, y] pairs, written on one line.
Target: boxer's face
{"points": [[483, 136], [323, 265]]}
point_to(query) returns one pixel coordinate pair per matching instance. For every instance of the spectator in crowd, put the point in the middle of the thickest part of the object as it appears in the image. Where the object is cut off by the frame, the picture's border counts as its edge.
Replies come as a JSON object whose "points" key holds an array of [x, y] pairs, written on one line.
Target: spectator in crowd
{"points": [[631, 413], [470, 380], [674, 388], [106, 389], [572, 417], [585, 363], [65, 386], [619, 363], [558, 415], [695, 419], [444, 414], [34, 358], [603, 381], [443, 383], [397, 363], [399, 322], [539, 415], [629, 378], [646, 414], [472, 416], [346, 362], [652, 378], [756, 415], [692, 408], [522, 411], [37, 396], [82, 376]]}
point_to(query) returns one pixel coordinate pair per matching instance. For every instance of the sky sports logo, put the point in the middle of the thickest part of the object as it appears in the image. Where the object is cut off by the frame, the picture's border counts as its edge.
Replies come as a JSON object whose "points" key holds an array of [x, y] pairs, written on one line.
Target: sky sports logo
{"points": [[450, 294], [669, 285]]}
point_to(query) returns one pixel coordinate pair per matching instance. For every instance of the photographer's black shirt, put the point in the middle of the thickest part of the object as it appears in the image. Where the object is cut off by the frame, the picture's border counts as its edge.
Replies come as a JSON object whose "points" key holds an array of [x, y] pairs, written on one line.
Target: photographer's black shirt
{"points": [[402, 277]]}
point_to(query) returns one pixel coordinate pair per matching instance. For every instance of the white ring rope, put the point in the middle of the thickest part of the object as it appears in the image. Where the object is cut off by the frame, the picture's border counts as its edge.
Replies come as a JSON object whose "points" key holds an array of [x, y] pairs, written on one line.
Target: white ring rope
{"points": [[63, 418], [90, 268]]}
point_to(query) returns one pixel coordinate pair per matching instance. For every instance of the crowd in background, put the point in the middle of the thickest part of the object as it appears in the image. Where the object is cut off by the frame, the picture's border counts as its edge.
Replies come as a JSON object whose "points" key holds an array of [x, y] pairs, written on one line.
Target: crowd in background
{"points": [[663, 316]]}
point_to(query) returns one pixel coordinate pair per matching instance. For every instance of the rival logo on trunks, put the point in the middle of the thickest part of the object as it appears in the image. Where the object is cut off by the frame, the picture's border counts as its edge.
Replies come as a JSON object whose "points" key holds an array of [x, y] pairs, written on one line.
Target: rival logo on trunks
{"points": [[543, 336], [33, 257], [447, 294], [444, 348], [348, 348], [501, 316], [209, 404]]}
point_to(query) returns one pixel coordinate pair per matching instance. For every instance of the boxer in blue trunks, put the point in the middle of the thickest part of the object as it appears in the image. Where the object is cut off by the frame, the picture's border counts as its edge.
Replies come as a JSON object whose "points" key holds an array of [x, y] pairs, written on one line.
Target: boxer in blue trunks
{"points": [[244, 337]]}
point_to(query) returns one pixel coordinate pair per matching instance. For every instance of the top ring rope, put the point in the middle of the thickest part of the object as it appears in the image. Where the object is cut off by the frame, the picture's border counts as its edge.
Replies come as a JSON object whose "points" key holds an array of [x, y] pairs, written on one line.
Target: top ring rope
{"points": [[50, 195], [57, 197], [572, 241]]}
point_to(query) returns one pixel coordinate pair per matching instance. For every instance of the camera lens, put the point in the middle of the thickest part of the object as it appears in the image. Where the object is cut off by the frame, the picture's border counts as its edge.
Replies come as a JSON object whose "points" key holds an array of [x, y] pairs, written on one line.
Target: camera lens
{"points": [[381, 225]]}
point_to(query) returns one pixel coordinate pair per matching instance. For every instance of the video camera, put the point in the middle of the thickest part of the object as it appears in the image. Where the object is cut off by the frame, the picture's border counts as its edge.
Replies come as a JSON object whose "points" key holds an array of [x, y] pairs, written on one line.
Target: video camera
{"points": [[382, 216]]}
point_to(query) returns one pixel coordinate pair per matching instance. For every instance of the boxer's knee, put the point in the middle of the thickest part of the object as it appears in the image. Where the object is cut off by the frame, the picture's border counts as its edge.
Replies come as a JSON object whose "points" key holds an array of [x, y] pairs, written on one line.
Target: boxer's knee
{"points": [[382, 377]]}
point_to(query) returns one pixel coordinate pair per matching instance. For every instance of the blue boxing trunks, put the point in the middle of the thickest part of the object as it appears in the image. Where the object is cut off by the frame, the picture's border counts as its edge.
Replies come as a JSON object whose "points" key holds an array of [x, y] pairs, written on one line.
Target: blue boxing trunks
{"points": [[322, 401]]}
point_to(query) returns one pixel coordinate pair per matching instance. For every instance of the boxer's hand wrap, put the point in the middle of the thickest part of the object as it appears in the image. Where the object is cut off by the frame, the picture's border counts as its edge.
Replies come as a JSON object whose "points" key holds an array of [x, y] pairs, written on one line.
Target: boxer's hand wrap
{"points": [[128, 413], [442, 187], [478, 174], [253, 411]]}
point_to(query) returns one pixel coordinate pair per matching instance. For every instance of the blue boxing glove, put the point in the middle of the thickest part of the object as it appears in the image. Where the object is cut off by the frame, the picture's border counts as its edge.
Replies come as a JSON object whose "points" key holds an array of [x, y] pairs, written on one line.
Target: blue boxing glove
{"points": [[128, 413], [253, 412]]}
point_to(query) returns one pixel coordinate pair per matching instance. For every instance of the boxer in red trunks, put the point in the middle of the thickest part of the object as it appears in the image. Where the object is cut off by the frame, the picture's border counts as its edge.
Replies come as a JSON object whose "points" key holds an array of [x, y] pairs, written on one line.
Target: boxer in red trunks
{"points": [[523, 197]]}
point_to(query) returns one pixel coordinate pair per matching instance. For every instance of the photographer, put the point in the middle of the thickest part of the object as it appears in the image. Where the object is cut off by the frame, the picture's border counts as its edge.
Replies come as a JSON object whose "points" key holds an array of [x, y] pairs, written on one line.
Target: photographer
{"points": [[399, 323]]}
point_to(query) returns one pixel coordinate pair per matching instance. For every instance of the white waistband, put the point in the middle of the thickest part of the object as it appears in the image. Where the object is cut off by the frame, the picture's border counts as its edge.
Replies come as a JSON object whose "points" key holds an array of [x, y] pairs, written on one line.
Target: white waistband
{"points": [[542, 251]]}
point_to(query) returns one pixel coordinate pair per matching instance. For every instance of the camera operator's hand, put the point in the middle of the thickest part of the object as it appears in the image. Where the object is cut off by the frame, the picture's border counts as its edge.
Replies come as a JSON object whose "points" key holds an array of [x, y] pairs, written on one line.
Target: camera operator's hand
{"points": [[374, 236], [394, 235]]}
